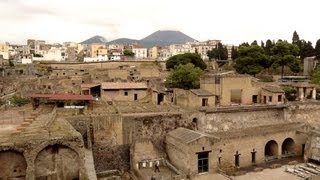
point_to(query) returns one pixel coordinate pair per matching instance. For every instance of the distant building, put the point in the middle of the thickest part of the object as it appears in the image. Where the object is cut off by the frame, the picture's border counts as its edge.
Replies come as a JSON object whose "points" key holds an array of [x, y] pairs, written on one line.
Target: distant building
{"points": [[4, 51], [94, 49], [96, 59], [154, 52], [175, 49], [140, 53]]}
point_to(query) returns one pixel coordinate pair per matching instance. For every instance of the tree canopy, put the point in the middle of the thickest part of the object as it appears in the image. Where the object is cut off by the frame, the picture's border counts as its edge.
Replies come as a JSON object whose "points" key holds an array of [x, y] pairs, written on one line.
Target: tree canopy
{"points": [[317, 49], [220, 52], [184, 76], [251, 60], [186, 58], [128, 53]]}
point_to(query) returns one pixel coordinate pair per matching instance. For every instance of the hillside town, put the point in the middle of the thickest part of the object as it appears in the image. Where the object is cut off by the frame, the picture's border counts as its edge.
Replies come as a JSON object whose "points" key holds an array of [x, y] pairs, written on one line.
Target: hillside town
{"points": [[181, 110]]}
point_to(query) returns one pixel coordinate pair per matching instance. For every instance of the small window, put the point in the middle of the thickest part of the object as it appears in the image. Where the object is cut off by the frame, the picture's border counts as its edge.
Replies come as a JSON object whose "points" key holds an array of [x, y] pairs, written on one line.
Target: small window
{"points": [[205, 102], [126, 93], [270, 98], [279, 98]]}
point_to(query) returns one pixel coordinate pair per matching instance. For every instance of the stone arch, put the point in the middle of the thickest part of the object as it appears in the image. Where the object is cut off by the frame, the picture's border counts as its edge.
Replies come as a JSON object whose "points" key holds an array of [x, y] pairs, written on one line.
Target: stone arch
{"points": [[13, 165], [288, 146], [271, 148], [57, 162]]}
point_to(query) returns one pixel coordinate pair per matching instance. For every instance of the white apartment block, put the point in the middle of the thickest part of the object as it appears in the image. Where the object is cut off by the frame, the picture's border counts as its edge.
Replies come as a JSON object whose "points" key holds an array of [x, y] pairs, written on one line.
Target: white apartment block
{"points": [[140, 53]]}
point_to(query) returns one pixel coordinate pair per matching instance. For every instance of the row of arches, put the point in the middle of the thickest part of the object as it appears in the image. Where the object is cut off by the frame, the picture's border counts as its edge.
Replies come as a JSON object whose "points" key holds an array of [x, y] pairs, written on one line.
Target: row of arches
{"points": [[272, 149], [53, 162]]}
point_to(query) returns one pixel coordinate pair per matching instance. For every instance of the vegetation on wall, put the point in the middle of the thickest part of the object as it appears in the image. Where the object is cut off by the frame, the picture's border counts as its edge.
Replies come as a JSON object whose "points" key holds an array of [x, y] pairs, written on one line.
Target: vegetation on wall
{"points": [[290, 93], [19, 101]]}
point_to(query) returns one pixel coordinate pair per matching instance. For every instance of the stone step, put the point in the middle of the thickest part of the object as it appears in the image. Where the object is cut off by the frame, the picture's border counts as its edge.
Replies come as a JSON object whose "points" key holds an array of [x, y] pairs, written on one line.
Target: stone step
{"points": [[25, 124], [28, 120], [20, 128]]}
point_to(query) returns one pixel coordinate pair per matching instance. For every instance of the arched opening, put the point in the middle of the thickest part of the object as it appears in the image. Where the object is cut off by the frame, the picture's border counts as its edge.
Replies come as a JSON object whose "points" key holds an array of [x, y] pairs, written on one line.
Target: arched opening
{"points": [[12, 165], [57, 162], [271, 150], [288, 147]]}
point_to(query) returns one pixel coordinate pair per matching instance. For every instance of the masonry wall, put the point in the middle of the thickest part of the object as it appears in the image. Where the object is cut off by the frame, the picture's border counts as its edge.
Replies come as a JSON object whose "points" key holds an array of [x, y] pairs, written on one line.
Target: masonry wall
{"points": [[224, 121], [119, 95], [239, 83], [307, 112], [246, 145]]}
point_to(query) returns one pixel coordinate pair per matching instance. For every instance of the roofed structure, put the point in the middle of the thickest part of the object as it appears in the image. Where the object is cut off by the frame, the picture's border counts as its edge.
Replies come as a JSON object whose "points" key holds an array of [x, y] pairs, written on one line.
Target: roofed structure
{"points": [[201, 92], [123, 85], [273, 89], [75, 97], [185, 135]]}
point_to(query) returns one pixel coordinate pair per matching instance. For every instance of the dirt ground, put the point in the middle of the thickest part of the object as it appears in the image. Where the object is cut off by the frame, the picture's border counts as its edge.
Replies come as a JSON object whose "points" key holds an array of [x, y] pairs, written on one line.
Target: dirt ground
{"points": [[270, 174]]}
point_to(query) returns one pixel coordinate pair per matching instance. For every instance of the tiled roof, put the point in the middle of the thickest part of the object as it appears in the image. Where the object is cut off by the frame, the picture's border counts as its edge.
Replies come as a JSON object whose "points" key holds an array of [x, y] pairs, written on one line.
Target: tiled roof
{"points": [[89, 85], [123, 85], [63, 96], [185, 135], [274, 89], [201, 92]]}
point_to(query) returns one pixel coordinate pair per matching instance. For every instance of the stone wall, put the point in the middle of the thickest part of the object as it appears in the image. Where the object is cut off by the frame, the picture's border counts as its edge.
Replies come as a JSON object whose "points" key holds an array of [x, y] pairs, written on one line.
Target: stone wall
{"points": [[234, 119], [153, 127], [107, 157]]}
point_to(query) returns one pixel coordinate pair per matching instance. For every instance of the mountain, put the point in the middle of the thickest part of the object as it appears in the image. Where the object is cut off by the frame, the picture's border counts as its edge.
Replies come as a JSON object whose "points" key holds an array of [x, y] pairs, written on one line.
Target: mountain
{"points": [[124, 41], [95, 39], [163, 38]]}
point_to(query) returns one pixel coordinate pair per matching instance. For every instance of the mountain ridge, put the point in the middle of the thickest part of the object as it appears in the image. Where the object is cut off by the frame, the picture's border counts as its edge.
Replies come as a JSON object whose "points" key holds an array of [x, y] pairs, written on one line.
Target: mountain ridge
{"points": [[157, 38]]}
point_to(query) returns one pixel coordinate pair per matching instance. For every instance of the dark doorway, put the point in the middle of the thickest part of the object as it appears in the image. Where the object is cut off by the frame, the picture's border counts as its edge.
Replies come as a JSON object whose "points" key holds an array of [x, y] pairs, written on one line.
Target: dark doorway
{"points": [[217, 100], [135, 97], [237, 159], [253, 156], [288, 147], [271, 150], [204, 101], [203, 163], [255, 98], [160, 98]]}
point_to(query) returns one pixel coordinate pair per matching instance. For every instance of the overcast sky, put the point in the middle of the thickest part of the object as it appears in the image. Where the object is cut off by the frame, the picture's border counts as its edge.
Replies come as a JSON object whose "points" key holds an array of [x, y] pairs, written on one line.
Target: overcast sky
{"points": [[232, 21]]}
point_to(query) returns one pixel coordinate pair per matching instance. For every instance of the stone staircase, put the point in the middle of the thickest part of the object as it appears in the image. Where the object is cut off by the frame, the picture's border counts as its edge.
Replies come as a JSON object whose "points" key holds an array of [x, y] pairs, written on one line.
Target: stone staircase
{"points": [[28, 121]]}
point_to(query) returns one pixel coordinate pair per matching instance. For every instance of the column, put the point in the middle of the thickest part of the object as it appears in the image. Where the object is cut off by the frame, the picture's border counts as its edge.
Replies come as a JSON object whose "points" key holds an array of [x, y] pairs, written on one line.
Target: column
{"points": [[314, 93], [301, 94]]}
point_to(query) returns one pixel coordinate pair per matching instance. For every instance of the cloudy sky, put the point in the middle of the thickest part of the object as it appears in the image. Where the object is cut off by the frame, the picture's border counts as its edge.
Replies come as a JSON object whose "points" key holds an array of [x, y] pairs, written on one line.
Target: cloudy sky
{"points": [[232, 21]]}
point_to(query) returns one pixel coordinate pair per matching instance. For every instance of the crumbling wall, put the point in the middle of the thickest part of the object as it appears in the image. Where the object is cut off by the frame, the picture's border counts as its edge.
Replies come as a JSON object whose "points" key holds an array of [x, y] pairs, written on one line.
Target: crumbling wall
{"points": [[153, 127], [13, 165], [107, 157], [57, 162], [307, 112]]}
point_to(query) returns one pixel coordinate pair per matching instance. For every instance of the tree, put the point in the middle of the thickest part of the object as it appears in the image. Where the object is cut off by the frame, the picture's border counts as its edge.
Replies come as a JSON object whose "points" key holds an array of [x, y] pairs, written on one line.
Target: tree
{"points": [[234, 53], [220, 52], [184, 76], [251, 60], [285, 54], [128, 53], [295, 38], [186, 58], [254, 43], [317, 49], [315, 76], [306, 49], [262, 44], [268, 47]]}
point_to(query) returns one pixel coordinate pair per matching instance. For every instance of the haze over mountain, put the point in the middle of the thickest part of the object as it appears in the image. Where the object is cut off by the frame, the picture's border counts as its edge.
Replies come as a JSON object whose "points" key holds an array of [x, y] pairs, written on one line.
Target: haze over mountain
{"points": [[159, 38], [95, 39]]}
